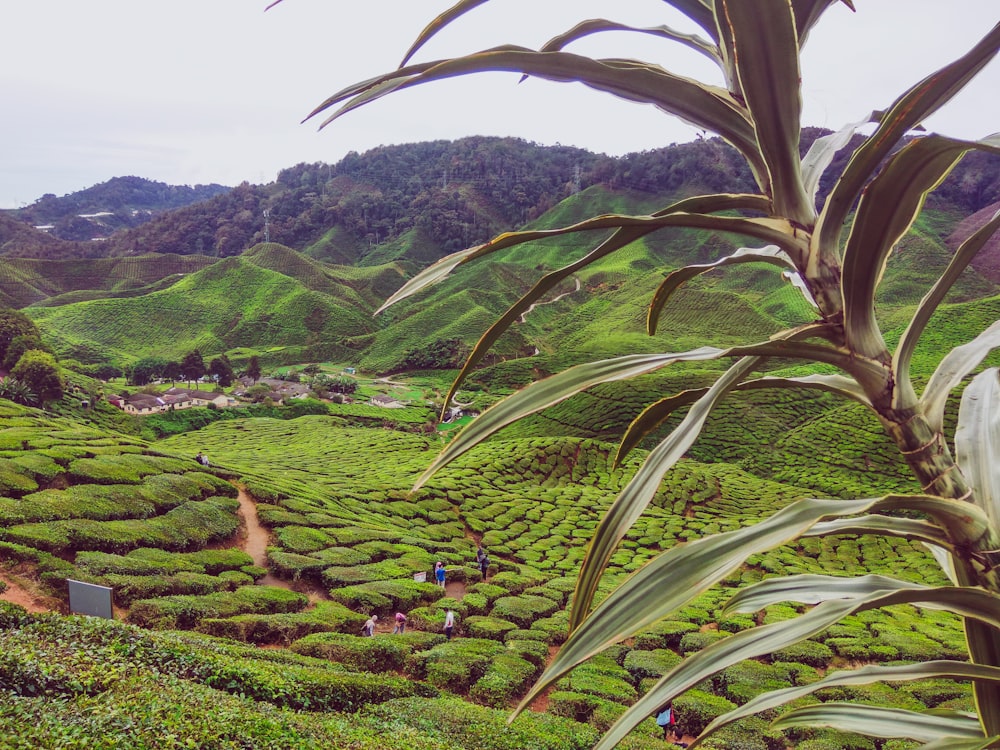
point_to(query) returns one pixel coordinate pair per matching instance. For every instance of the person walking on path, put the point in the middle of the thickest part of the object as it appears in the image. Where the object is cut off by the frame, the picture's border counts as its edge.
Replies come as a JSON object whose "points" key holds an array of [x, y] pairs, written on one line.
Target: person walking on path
{"points": [[483, 560], [400, 624], [665, 719], [439, 574], [369, 627], [449, 624]]}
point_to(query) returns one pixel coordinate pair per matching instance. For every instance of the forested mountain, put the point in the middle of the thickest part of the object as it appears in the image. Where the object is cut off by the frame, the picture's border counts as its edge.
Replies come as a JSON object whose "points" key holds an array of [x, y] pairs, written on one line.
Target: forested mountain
{"points": [[448, 194], [119, 203]]}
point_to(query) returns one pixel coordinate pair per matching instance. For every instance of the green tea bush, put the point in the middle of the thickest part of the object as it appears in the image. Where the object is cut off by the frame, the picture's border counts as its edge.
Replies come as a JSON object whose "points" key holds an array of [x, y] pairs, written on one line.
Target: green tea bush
{"points": [[384, 570], [293, 565], [534, 651], [555, 627], [525, 609], [284, 628], [507, 677], [14, 480], [12, 615], [188, 611], [515, 583], [750, 734], [456, 664], [813, 653], [691, 642], [538, 636], [302, 539], [694, 709], [603, 677], [128, 589], [381, 654], [475, 604], [655, 663], [664, 634], [741, 682], [487, 627], [465, 725]]}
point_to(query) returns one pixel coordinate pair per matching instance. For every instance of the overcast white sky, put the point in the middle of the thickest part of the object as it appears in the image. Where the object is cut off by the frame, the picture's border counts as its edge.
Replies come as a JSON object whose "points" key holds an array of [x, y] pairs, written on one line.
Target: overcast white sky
{"points": [[200, 91]]}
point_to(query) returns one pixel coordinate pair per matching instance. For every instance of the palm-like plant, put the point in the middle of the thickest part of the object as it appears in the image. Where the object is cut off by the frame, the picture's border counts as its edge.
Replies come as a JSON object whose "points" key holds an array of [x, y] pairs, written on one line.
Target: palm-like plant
{"points": [[17, 391], [876, 198]]}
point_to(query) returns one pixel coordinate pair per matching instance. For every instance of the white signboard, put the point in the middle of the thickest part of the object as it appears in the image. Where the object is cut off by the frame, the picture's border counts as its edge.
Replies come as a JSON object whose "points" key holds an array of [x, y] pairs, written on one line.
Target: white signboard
{"points": [[90, 599]]}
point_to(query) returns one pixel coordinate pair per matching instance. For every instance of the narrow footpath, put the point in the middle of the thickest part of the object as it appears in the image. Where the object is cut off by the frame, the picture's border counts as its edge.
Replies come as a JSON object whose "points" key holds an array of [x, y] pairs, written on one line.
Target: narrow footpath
{"points": [[254, 540], [18, 594]]}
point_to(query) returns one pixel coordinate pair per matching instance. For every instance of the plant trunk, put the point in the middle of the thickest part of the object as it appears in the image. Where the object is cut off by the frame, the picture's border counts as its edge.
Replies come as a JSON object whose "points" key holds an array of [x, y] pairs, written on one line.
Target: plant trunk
{"points": [[926, 452]]}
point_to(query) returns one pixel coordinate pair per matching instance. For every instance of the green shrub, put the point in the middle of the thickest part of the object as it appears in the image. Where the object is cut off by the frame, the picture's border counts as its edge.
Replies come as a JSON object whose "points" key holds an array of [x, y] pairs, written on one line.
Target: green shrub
{"points": [[655, 663], [507, 677], [694, 710], [487, 627], [805, 652], [523, 610], [691, 642], [664, 634], [284, 628], [381, 654], [465, 725], [12, 615], [188, 611], [456, 664]]}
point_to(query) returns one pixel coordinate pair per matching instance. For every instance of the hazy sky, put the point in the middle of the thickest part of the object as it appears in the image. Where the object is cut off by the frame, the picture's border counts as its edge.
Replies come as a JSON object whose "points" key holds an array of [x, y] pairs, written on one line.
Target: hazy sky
{"points": [[200, 91]]}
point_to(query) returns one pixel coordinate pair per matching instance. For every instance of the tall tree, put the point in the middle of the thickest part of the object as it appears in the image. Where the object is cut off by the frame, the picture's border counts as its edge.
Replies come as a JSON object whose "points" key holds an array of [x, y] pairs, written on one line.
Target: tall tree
{"points": [[253, 368], [38, 370], [192, 366], [755, 44], [222, 370], [14, 323]]}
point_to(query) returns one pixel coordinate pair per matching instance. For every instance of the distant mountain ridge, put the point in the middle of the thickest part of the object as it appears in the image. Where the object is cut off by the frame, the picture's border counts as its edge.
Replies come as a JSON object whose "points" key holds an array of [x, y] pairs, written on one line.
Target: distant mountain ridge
{"points": [[302, 282], [441, 195], [118, 203]]}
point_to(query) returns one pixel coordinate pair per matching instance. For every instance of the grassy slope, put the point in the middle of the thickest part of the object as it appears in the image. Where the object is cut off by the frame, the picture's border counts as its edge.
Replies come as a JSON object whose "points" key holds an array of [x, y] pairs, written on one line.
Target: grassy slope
{"points": [[337, 502]]}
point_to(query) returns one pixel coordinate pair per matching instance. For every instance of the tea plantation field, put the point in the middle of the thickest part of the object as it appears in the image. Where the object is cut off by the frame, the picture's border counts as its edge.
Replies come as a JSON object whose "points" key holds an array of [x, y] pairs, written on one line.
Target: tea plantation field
{"points": [[210, 650]]}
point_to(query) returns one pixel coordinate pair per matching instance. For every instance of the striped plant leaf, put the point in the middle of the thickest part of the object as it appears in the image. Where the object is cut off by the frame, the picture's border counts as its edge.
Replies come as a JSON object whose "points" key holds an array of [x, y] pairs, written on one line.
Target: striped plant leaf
{"points": [[884, 722], [934, 399], [939, 669], [658, 412], [953, 369], [887, 210], [755, 642], [767, 64], [907, 112]]}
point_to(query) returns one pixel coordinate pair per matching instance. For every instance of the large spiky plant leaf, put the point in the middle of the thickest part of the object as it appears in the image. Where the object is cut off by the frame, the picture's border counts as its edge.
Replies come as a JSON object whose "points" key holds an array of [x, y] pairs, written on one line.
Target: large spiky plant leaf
{"points": [[933, 399], [886, 212], [977, 441], [755, 642], [767, 64], [658, 412], [600, 25], [906, 113], [953, 369], [708, 107], [929, 670], [938, 726]]}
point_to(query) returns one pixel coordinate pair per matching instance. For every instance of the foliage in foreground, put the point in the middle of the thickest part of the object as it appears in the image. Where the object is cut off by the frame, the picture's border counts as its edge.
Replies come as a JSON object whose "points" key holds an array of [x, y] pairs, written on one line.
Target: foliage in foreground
{"points": [[756, 46]]}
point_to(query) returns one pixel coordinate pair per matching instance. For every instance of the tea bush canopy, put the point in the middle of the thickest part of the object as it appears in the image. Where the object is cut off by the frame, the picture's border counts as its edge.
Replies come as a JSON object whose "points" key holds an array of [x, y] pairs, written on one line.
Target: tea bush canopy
{"points": [[834, 249]]}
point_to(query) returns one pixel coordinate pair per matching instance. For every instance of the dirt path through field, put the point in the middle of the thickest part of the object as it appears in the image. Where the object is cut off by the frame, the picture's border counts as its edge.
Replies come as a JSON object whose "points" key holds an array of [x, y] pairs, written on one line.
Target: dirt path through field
{"points": [[254, 540], [17, 594]]}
